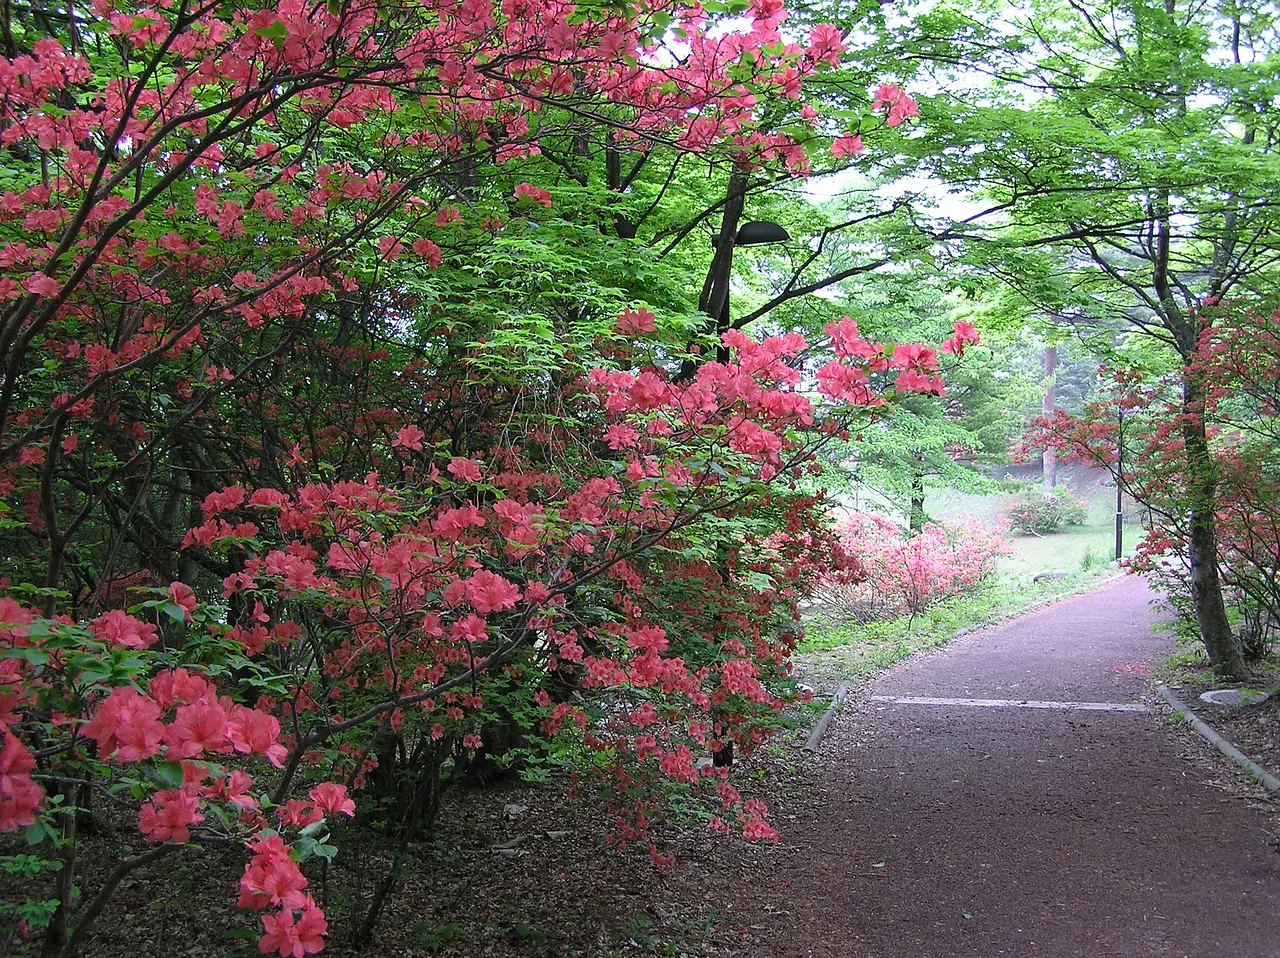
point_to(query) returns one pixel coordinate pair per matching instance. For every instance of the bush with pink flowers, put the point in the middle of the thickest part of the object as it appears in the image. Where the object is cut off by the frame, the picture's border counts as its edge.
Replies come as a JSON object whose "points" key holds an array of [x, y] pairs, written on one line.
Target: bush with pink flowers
{"points": [[899, 574], [1039, 513]]}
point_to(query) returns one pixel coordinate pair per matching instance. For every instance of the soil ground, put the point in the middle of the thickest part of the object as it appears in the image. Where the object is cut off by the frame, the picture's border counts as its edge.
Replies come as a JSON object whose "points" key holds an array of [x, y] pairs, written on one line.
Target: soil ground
{"points": [[1254, 729]]}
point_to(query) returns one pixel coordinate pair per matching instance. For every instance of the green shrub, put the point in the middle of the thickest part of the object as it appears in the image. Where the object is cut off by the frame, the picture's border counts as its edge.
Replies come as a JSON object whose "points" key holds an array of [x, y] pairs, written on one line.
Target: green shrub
{"points": [[1036, 513]]}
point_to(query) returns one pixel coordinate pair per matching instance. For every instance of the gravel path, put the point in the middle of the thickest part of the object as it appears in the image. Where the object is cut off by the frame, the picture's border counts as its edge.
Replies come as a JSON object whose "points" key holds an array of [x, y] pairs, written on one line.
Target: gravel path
{"points": [[958, 830]]}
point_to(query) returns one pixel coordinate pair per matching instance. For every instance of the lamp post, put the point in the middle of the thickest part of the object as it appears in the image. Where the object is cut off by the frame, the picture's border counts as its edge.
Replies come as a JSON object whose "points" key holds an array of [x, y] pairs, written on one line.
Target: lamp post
{"points": [[715, 303], [1119, 483], [715, 296]]}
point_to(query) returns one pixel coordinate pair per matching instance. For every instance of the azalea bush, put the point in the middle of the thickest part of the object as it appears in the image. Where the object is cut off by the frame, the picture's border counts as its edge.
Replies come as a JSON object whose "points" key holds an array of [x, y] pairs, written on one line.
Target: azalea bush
{"points": [[1037, 512], [390, 627], [342, 457], [891, 573], [128, 704]]}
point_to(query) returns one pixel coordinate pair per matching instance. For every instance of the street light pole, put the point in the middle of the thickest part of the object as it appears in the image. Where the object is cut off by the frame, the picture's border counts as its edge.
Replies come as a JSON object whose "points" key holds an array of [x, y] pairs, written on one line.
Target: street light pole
{"points": [[755, 233], [715, 291], [715, 303], [1119, 484]]}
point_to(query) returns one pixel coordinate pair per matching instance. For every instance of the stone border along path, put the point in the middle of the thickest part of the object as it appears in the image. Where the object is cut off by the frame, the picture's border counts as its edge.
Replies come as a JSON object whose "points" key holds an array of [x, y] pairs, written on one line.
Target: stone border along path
{"points": [[1014, 794], [1210, 735]]}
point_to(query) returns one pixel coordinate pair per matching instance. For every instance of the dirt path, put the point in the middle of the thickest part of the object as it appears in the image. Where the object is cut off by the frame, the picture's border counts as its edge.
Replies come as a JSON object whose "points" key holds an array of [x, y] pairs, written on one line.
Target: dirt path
{"points": [[970, 830]]}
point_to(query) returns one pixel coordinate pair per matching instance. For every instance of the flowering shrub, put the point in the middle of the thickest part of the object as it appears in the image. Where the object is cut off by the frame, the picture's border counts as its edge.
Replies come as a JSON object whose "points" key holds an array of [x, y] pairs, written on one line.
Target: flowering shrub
{"points": [[892, 574], [393, 627], [278, 328], [130, 699], [1037, 513]]}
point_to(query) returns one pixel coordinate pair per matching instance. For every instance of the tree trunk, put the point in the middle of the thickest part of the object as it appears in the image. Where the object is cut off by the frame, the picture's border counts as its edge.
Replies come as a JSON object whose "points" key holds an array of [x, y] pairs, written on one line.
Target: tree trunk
{"points": [[1047, 405], [715, 289], [1224, 650], [1220, 641], [917, 517], [417, 806], [714, 299], [724, 757]]}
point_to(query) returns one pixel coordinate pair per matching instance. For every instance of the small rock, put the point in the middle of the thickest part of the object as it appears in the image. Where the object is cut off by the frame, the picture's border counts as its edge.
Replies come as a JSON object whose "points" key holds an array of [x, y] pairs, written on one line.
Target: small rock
{"points": [[1048, 577]]}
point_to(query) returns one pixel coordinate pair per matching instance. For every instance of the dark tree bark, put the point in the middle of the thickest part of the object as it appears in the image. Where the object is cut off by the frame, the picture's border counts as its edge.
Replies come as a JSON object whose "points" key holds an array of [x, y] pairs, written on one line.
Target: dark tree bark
{"points": [[917, 517], [1220, 641]]}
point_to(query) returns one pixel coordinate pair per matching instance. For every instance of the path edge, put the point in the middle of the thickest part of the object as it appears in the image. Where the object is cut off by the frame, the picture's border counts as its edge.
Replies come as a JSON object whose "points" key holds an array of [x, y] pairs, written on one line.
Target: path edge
{"points": [[1255, 771]]}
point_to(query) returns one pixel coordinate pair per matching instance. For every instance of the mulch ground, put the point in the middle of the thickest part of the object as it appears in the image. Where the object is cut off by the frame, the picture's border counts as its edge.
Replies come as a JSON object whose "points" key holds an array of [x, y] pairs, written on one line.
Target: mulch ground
{"points": [[1254, 729]]}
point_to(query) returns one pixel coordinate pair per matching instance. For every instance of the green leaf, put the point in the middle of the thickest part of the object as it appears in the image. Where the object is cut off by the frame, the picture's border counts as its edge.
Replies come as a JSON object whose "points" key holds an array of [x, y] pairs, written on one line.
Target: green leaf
{"points": [[34, 656], [169, 774], [315, 828], [273, 31]]}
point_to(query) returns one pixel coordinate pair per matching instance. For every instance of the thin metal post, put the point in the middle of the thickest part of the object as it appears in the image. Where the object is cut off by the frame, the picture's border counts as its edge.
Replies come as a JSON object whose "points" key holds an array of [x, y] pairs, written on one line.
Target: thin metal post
{"points": [[1119, 484]]}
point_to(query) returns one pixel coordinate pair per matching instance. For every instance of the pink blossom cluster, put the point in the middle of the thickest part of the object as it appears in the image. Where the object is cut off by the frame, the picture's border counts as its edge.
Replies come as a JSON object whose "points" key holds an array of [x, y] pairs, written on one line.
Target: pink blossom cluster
{"points": [[900, 574], [179, 719], [847, 378]]}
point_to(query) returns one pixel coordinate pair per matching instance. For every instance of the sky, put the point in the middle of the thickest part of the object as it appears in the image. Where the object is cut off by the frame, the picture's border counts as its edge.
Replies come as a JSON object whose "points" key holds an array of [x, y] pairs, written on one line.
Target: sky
{"points": [[950, 203]]}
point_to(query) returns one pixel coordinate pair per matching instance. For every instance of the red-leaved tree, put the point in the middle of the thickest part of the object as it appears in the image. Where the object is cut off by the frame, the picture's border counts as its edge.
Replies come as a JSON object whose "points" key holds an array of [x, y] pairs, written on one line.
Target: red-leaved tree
{"points": [[1237, 363]]}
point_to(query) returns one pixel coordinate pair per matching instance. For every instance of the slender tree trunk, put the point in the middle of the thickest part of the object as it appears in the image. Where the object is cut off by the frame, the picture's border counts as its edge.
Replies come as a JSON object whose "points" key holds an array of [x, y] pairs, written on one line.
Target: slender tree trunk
{"points": [[917, 518], [419, 810], [1047, 405], [715, 290], [724, 757], [1222, 644], [55, 936], [1220, 641], [1202, 482], [714, 299]]}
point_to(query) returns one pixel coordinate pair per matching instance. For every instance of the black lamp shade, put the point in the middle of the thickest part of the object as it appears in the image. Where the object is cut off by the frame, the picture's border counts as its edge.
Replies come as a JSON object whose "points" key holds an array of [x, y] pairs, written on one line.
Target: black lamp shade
{"points": [[760, 231]]}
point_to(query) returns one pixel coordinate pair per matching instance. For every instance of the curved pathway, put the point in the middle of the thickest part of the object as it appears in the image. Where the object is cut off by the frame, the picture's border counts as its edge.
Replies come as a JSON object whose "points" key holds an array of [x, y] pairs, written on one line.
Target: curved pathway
{"points": [[973, 807]]}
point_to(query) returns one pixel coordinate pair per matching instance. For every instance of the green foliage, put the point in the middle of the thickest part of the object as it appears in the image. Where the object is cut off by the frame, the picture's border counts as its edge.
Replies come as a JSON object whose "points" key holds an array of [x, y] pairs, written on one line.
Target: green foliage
{"points": [[30, 869], [922, 443], [1122, 152], [1037, 513], [433, 938]]}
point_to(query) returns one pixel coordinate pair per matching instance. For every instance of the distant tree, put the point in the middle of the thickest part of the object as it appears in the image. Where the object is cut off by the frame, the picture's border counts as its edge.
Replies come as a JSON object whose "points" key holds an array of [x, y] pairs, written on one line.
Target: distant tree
{"points": [[919, 445]]}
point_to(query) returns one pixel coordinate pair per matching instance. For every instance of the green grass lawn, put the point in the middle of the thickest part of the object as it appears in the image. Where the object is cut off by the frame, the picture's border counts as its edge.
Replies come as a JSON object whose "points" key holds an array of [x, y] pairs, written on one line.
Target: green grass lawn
{"points": [[1064, 551], [1067, 551]]}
